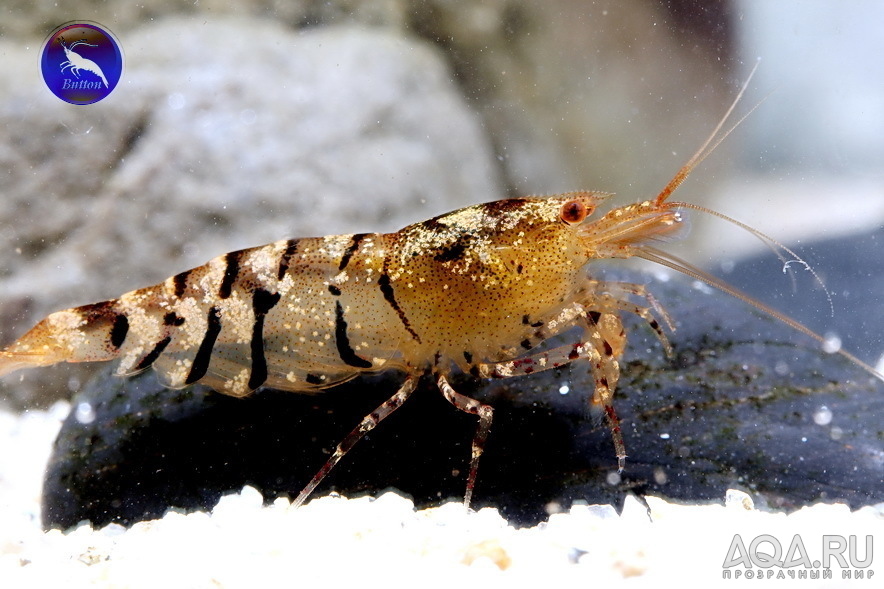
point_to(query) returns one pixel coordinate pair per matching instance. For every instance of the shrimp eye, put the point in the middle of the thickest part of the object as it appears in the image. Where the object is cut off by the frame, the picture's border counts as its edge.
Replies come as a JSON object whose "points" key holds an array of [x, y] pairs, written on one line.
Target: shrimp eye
{"points": [[573, 212]]}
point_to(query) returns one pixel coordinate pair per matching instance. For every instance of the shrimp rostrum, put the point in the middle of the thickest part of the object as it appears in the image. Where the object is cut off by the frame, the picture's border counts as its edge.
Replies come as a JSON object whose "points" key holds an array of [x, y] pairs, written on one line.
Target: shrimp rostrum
{"points": [[474, 290]]}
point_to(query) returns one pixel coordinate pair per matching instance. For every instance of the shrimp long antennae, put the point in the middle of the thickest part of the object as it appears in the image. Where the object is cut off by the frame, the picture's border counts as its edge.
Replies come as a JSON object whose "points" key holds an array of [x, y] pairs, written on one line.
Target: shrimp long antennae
{"points": [[658, 256], [711, 143], [769, 241]]}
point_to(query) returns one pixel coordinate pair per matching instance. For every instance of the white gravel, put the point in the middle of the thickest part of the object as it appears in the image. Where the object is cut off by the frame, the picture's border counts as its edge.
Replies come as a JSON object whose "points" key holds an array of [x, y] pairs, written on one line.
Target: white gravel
{"points": [[385, 542]]}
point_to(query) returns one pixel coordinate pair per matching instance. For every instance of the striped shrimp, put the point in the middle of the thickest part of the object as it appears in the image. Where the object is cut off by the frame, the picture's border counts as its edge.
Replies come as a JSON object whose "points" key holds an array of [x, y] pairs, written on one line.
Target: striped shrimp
{"points": [[475, 290]]}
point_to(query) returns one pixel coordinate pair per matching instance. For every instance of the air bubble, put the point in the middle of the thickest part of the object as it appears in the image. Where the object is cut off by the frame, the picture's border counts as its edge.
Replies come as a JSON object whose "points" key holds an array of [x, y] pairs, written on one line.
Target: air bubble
{"points": [[702, 287], [84, 413], [822, 416], [832, 343], [660, 476], [564, 389]]}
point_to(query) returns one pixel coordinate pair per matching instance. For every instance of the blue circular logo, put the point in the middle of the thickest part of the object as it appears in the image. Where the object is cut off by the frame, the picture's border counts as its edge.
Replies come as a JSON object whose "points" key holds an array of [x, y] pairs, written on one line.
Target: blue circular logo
{"points": [[81, 62]]}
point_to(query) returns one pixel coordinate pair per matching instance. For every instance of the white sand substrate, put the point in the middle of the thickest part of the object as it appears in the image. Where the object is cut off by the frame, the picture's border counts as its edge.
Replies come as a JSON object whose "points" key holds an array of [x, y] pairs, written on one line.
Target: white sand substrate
{"points": [[385, 542]]}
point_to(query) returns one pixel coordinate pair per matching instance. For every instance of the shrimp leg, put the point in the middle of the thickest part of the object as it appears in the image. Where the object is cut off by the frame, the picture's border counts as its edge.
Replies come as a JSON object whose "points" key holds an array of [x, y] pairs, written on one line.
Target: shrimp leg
{"points": [[368, 423], [485, 414], [602, 347]]}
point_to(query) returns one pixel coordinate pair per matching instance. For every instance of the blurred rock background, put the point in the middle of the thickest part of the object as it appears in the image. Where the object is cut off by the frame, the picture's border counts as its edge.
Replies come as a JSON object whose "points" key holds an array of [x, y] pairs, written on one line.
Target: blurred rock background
{"points": [[236, 126]]}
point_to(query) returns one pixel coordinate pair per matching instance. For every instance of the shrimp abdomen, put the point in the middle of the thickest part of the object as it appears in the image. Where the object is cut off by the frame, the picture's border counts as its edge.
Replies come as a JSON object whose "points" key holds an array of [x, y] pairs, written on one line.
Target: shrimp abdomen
{"points": [[82, 334]]}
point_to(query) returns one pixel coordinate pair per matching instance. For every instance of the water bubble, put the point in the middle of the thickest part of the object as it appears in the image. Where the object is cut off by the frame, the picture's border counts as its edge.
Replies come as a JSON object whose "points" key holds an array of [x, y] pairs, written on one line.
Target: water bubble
{"points": [[662, 275], [822, 416], [553, 507], [84, 413], [702, 287], [613, 478], [832, 343], [660, 476]]}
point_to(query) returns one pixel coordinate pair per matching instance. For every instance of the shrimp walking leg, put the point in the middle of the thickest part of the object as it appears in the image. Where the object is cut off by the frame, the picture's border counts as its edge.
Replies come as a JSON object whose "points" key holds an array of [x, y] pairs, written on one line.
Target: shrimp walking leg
{"points": [[602, 346], [485, 414], [368, 423], [608, 297]]}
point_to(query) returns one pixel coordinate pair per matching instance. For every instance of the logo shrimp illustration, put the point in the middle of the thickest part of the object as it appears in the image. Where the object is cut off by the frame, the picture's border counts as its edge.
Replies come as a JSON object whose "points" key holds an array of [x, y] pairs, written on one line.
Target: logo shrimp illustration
{"points": [[77, 62], [81, 62]]}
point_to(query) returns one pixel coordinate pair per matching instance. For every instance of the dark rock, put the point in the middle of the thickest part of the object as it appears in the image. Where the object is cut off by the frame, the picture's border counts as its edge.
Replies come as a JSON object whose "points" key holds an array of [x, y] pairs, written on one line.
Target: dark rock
{"points": [[734, 408]]}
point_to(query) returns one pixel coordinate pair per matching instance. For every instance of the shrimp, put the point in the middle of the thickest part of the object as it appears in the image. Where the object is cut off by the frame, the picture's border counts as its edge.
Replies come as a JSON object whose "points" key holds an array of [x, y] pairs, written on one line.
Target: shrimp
{"points": [[475, 290]]}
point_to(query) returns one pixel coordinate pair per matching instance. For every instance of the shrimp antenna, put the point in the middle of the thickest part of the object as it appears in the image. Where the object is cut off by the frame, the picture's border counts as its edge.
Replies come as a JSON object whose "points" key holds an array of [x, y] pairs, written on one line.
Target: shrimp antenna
{"points": [[775, 246], [711, 143], [658, 256]]}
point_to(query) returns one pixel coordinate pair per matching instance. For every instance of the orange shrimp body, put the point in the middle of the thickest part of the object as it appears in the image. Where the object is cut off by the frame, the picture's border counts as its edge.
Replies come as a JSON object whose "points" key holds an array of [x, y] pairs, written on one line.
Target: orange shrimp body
{"points": [[478, 285]]}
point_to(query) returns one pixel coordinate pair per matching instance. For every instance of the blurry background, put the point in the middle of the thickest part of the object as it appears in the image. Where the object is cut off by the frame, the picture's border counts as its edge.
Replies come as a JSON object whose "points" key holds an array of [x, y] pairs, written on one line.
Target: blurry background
{"points": [[238, 125]]}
